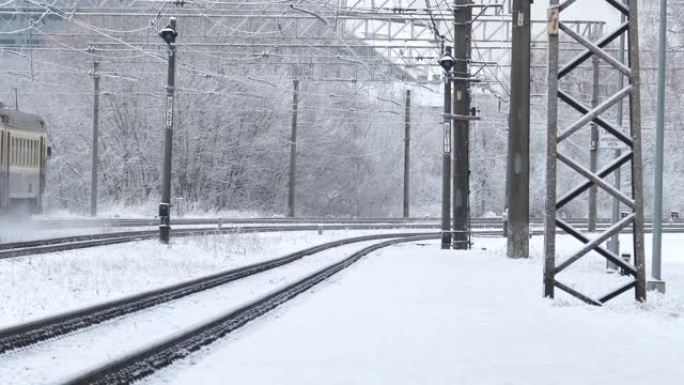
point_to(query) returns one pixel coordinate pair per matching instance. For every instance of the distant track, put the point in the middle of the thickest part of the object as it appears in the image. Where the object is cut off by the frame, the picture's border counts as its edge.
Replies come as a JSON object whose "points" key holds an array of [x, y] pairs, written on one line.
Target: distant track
{"points": [[33, 332], [150, 359], [181, 221], [52, 224], [43, 246]]}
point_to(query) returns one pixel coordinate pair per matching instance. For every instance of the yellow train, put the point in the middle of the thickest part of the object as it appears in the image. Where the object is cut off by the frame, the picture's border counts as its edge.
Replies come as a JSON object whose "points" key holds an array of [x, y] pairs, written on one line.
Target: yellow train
{"points": [[23, 154]]}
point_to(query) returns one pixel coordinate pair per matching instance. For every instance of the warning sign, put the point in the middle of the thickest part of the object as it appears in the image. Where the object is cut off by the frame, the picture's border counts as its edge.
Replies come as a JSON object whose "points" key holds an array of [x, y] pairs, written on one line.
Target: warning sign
{"points": [[609, 142]]}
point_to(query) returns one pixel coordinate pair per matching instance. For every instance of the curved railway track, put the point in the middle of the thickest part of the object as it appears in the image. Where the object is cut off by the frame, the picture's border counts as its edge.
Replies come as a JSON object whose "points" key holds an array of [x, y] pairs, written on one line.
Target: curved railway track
{"points": [[146, 361], [42, 246], [41, 330], [19, 249]]}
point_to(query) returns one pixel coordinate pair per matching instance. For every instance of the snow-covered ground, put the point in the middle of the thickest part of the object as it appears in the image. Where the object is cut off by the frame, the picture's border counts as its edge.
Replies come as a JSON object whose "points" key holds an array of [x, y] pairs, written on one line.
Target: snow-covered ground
{"points": [[20, 231], [409, 314], [97, 345], [41, 285], [414, 314]]}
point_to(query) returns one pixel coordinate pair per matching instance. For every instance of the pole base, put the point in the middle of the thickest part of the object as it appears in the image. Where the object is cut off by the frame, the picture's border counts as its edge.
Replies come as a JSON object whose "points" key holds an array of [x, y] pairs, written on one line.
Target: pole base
{"points": [[164, 234], [654, 285], [446, 240]]}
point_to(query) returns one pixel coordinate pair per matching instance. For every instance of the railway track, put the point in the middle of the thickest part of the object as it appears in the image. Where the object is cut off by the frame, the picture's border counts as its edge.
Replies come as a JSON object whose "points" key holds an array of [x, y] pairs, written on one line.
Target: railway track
{"points": [[179, 221], [19, 249], [144, 362], [133, 222], [41, 330], [42, 246]]}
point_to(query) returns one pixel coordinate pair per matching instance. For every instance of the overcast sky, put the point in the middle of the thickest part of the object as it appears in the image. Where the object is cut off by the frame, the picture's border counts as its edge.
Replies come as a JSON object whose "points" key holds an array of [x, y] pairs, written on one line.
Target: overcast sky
{"points": [[581, 10]]}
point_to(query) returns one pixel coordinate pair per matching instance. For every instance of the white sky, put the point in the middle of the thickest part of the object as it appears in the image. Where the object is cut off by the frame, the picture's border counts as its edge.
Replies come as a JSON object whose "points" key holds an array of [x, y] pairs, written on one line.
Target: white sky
{"points": [[581, 10]]}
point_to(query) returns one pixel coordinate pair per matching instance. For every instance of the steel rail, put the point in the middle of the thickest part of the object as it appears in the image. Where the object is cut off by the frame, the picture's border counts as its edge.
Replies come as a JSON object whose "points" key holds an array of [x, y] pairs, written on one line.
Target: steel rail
{"points": [[127, 222], [146, 361], [43, 246], [58, 325], [123, 222], [85, 241]]}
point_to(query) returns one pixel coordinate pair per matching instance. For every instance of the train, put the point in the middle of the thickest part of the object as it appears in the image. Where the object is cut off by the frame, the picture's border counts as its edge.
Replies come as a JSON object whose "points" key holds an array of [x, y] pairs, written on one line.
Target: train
{"points": [[24, 152]]}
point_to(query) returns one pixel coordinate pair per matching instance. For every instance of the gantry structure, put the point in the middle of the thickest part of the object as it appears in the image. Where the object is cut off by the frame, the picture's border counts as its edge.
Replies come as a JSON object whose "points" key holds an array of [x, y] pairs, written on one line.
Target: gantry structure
{"points": [[374, 36]]}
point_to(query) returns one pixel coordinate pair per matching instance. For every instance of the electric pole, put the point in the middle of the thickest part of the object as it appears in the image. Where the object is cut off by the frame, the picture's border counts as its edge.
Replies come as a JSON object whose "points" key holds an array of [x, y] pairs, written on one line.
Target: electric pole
{"points": [[518, 167], [614, 242], [96, 136], [169, 35], [461, 127], [656, 266], [407, 151], [593, 149], [293, 152], [447, 63]]}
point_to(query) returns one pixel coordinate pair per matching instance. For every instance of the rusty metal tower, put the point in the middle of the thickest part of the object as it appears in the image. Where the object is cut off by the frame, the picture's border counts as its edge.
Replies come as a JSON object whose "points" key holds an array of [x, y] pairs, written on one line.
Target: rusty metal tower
{"points": [[633, 200]]}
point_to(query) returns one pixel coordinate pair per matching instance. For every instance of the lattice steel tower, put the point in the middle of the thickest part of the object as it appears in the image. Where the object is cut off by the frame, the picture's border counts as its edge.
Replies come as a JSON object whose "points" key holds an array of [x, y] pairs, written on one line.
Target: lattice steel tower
{"points": [[633, 201]]}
